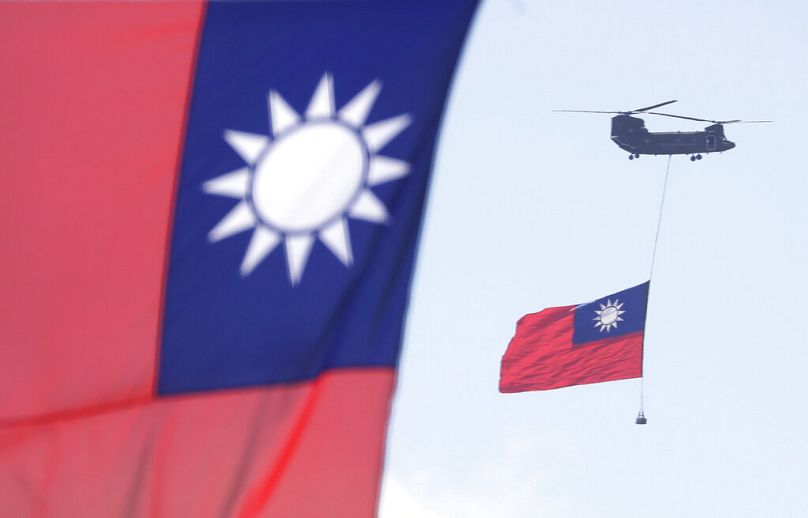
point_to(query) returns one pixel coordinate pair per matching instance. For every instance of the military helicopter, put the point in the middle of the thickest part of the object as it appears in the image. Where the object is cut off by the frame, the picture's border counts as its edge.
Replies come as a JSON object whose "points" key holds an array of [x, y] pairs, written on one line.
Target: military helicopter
{"points": [[629, 133]]}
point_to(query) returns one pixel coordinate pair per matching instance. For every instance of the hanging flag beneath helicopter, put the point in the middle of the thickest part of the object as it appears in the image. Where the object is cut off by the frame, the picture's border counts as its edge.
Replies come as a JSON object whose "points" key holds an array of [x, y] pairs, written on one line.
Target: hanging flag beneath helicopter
{"points": [[575, 345]]}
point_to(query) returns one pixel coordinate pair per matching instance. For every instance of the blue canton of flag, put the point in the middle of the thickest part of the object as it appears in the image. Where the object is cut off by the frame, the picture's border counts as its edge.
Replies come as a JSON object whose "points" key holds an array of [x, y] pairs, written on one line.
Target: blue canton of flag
{"points": [[617, 314], [310, 140]]}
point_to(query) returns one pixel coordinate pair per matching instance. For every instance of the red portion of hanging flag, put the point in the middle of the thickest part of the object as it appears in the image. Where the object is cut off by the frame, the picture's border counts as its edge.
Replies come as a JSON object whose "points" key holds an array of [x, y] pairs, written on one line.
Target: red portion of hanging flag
{"points": [[542, 355]]}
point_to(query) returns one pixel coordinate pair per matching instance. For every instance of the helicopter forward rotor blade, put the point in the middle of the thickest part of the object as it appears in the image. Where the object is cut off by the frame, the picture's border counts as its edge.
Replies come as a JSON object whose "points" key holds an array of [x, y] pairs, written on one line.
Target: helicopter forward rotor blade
{"points": [[742, 122], [630, 112], [583, 111], [652, 107]]}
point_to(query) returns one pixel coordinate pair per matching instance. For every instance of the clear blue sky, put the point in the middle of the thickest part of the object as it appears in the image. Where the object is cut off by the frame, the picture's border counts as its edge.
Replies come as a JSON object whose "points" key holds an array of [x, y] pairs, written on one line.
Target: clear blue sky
{"points": [[530, 209]]}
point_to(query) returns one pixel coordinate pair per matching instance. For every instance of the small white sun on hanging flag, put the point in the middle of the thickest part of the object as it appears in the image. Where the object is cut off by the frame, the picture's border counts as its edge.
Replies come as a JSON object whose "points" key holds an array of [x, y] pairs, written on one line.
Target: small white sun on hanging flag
{"points": [[308, 177], [609, 315]]}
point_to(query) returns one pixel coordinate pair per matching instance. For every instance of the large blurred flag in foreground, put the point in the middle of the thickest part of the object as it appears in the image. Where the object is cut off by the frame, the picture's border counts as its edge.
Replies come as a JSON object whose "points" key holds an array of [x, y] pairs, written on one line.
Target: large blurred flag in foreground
{"points": [[574, 345], [210, 217]]}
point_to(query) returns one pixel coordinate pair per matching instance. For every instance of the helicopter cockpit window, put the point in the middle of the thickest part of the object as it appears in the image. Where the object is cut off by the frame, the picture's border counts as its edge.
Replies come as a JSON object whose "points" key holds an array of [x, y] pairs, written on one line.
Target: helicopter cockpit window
{"points": [[710, 142]]}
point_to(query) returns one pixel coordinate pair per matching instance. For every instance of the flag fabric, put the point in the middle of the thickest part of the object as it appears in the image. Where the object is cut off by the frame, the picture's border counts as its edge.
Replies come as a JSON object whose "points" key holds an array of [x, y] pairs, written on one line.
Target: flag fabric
{"points": [[210, 219], [575, 345]]}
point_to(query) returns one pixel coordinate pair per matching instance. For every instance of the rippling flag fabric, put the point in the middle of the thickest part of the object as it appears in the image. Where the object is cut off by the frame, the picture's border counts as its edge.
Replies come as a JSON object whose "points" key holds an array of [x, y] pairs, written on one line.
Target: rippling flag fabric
{"points": [[210, 218], [575, 345]]}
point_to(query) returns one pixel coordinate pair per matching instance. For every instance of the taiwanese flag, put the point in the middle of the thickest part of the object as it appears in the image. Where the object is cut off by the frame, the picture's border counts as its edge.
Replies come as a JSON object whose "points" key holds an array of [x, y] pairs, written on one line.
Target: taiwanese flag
{"points": [[210, 218], [575, 345]]}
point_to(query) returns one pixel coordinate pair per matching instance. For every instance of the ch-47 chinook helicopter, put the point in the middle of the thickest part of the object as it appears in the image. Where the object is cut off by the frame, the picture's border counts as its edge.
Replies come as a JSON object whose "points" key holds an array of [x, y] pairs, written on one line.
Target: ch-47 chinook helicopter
{"points": [[629, 133]]}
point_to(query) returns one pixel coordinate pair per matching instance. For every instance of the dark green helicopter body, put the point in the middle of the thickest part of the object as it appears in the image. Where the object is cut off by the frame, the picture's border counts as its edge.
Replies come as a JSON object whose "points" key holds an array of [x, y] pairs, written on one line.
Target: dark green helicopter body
{"points": [[630, 134]]}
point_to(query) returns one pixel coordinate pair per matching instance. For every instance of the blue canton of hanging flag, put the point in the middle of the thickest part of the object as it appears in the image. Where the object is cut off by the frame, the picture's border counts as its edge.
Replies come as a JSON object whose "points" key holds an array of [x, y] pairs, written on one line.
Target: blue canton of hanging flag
{"points": [[619, 314], [250, 178]]}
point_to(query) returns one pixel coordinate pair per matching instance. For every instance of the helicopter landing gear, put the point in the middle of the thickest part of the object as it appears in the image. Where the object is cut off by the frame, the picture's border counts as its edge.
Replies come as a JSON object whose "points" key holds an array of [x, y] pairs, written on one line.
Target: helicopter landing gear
{"points": [[635, 155], [693, 158]]}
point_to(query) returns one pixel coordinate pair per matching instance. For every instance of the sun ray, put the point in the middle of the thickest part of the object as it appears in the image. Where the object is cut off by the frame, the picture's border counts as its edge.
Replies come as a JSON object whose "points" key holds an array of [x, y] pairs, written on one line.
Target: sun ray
{"points": [[297, 253], [262, 243], [369, 208], [379, 134], [358, 108], [383, 169], [322, 102], [233, 185], [248, 145], [281, 115], [338, 240], [237, 220]]}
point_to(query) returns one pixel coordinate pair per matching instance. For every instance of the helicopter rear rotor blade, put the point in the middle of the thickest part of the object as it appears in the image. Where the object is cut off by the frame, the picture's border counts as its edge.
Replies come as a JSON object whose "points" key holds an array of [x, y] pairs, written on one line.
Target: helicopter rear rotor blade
{"points": [[683, 117], [638, 110], [702, 120], [584, 111]]}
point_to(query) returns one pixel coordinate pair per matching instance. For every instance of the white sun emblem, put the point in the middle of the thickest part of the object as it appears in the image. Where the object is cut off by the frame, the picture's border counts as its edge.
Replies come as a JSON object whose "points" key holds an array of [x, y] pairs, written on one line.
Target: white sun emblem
{"points": [[609, 315], [304, 181]]}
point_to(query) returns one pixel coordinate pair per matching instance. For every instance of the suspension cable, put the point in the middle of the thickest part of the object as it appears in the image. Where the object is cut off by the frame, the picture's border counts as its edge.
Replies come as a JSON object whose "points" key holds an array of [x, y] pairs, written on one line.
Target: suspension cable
{"points": [[641, 416]]}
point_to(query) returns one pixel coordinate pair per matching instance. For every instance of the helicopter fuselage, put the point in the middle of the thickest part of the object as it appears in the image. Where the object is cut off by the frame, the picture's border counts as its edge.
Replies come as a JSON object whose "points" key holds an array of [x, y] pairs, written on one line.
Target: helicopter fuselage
{"points": [[630, 134]]}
